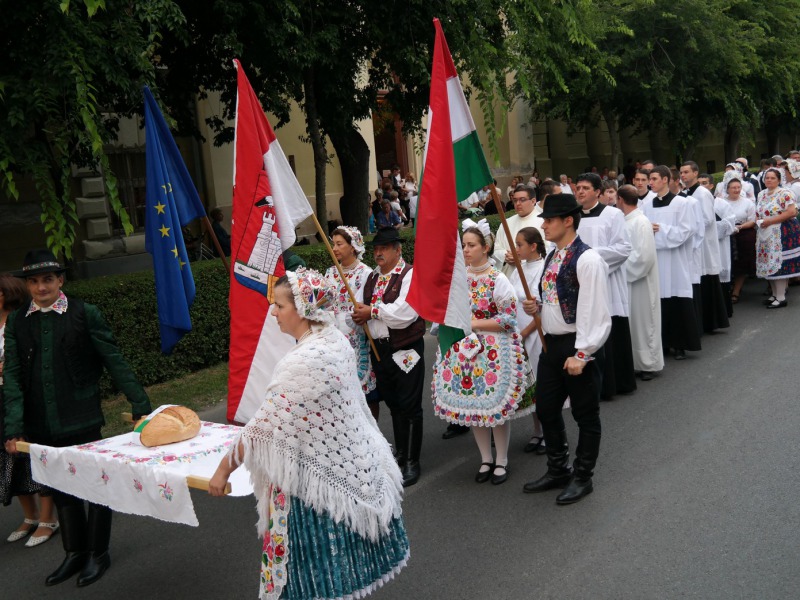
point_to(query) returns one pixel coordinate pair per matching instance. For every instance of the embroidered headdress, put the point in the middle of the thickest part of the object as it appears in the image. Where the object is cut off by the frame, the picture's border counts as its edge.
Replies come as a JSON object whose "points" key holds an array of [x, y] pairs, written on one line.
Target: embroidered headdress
{"points": [[482, 226], [356, 239], [313, 294], [793, 166]]}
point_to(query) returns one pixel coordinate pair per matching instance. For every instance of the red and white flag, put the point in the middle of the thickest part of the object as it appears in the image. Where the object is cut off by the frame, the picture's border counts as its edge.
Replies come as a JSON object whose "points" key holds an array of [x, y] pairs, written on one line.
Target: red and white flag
{"points": [[454, 167], [268, 203]]}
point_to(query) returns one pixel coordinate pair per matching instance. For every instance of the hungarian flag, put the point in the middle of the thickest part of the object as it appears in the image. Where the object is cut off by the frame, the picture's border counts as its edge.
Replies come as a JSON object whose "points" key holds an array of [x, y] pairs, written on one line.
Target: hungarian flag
{"points": [[268, 203], [454, 167]]}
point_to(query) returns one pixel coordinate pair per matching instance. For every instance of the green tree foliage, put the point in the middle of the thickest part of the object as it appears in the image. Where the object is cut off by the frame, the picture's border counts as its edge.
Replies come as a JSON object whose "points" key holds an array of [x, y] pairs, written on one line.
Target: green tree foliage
{"points": [[68, 72]]}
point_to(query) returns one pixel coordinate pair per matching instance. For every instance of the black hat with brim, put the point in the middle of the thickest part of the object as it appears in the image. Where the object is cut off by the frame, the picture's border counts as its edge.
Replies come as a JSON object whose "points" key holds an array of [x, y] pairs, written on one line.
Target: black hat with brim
{"points": [[38, 262], [384, 237], [559, 205]]}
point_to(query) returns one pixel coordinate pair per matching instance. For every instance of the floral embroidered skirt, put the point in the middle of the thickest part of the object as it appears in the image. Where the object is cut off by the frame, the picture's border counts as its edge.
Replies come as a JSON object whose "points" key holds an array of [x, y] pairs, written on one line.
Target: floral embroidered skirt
{"points": [[309, 555], [789, 252], [483, 380]]}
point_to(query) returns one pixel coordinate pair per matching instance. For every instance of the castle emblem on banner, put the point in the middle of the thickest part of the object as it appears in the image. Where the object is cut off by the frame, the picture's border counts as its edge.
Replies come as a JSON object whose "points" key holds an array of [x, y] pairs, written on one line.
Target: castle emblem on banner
{"points": [[259, 263]]}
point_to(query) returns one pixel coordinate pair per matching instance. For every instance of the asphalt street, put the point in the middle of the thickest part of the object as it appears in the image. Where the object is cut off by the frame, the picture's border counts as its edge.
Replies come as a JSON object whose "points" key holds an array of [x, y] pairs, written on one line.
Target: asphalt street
{"points": [[695, 497]]}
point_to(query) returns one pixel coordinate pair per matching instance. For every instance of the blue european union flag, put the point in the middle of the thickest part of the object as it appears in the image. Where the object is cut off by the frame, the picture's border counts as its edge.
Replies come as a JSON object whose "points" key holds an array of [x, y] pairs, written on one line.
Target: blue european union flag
{"points": [[172, 203]]}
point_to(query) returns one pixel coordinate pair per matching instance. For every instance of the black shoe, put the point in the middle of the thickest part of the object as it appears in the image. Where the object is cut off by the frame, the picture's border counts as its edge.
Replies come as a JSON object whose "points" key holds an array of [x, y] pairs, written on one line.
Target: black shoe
{"points": [[547, 482], [533, 444], [577, 489], [777, 304], [498, 479], [411, 473], [484, 476], [94, 569], [769, 300], [646, 375], [680, 354], [454, 431], [541, 449], [74, 562]]}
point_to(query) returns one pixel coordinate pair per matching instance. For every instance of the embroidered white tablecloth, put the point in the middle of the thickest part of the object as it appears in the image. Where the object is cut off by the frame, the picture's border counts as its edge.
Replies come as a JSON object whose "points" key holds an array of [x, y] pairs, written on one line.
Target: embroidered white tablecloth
{"points": [[122, 474]]}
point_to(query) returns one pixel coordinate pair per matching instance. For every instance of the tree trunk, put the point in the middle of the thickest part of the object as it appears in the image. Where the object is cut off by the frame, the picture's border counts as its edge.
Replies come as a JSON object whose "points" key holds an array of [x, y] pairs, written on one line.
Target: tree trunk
{"points": [[317, 145], [613, 137], [772, 129], [353, 154], [731, 144]]}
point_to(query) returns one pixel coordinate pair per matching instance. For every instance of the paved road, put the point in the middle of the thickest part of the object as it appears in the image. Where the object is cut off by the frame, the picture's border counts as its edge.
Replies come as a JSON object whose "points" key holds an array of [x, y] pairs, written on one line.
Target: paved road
{"points": [[695, 497]]}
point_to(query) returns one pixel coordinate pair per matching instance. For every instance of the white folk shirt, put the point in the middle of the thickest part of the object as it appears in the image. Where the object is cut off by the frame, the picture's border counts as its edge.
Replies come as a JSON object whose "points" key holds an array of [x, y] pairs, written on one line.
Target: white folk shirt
{"points": [[645, 299], [592, 324], [515, 223], [726, 225], [397, 314], [604, 232], [674, 244]]}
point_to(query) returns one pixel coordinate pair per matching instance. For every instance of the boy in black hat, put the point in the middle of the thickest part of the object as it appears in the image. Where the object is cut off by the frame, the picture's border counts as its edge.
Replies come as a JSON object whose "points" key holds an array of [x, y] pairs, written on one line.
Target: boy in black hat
{"points": [[576, 323], [56, 349], [397, 330]]}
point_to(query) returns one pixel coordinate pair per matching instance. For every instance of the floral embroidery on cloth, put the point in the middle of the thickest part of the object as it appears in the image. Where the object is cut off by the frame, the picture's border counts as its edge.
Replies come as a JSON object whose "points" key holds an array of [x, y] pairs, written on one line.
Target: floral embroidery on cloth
{"points": [[481, 380], [342, 309], [769, 242], [406, 359], [59, 306], [275, 555], [380, 286]]}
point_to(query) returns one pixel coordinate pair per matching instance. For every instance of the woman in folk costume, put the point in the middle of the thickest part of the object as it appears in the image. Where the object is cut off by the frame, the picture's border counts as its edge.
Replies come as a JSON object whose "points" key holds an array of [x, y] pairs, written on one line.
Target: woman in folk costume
{"points": [[531, 251], [482, 381], [778, 237], [327, 485], [348, 247]]}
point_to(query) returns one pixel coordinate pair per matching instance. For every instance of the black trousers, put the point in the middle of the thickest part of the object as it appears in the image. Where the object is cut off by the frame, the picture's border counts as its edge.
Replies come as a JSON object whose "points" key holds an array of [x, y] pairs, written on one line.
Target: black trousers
{"points": [[554, 384], [401, 391]]}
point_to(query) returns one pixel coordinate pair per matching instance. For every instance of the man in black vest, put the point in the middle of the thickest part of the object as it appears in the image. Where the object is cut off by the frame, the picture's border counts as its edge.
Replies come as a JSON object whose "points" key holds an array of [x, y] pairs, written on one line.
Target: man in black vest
{"points": [[56, 349], [398, 333], [576, 322]]}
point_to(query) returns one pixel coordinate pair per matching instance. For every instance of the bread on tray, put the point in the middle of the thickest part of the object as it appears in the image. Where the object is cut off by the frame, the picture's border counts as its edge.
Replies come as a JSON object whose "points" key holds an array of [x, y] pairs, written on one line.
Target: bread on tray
{"points": [[167, 426]]}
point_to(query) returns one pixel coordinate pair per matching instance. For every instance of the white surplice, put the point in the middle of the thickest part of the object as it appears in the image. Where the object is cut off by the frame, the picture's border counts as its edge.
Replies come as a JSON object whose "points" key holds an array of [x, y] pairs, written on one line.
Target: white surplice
{"points": [[645, 300], [605, 233], [725, 228], [698, 233], [711, 254], [533, 273], [674, 244]]}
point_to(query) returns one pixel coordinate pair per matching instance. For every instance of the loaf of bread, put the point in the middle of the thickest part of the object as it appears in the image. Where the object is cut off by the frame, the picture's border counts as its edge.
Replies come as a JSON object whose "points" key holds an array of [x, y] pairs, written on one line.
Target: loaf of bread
{"points": [[172, 424]]}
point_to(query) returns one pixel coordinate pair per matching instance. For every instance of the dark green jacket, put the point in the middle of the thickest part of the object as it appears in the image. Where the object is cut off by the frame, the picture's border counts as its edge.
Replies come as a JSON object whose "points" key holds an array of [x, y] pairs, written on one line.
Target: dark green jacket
{"points": [[52, 369]]}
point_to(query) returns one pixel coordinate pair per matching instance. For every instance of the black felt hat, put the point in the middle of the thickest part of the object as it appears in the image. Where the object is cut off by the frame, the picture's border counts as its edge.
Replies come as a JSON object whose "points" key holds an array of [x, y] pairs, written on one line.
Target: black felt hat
{"points": [[40, 261], [560, 205], [384, 237]]}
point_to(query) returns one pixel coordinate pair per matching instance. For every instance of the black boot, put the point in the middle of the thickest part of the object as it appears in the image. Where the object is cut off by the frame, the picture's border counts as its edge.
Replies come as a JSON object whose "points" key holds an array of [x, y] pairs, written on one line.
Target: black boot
{"points": [[583, 467], [411, 470], [72, 519], [558, 471], [400, 449], [99, 536]]}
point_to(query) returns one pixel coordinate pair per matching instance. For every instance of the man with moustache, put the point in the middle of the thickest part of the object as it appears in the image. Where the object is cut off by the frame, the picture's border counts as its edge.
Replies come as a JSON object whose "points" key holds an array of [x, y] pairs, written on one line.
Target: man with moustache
{"points": [[395, 327]]}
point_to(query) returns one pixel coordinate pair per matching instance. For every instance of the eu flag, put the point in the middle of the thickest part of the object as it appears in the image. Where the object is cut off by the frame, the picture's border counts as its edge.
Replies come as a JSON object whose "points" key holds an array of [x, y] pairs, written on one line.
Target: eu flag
{"points": [[172, 203]]}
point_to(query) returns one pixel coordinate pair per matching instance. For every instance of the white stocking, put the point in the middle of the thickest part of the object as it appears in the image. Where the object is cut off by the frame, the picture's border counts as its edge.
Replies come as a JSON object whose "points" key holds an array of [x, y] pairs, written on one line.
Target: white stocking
{"points": [[483, 437], [502, 438], [779, 288]]}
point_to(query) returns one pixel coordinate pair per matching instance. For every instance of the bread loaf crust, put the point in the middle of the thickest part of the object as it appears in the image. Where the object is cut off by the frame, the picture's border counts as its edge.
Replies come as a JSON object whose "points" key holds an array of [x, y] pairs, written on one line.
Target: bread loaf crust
{"points": [[173, 424]]}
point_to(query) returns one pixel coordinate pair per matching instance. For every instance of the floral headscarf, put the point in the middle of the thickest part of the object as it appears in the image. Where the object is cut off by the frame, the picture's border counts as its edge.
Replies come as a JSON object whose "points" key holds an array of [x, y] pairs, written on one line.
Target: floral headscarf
{"points": [[356, 239], [313, 294]]}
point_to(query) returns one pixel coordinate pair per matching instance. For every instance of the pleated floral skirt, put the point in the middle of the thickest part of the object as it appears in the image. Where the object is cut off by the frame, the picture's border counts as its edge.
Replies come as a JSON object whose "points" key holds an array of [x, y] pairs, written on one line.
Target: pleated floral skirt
{"points": [[307, 555]]}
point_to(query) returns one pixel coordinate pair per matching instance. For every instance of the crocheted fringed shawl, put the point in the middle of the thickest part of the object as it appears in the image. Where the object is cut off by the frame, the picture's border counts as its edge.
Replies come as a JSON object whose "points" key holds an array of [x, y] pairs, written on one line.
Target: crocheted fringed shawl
{"points": [[315, 438]]}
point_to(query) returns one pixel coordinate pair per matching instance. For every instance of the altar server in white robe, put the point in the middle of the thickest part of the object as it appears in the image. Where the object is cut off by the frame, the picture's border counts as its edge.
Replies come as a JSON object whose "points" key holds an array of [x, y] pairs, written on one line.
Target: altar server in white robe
{"points": [[726, 227], [524, 198], [641, 179], [603, 229], [715, 314], [641, 270], [674, 223]]}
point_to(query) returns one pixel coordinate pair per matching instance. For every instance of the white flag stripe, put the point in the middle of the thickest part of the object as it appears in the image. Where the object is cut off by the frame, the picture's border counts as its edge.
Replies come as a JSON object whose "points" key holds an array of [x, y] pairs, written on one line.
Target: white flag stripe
{"points": [[272, 346], [461, 123], [459, 313], [291, 204]]}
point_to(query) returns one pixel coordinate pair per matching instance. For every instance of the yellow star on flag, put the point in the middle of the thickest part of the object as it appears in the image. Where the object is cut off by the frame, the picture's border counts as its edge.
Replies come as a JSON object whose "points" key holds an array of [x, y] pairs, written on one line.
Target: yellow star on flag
{"points": [[160, 208], [175, 251], [164, 231], [181, 263]]}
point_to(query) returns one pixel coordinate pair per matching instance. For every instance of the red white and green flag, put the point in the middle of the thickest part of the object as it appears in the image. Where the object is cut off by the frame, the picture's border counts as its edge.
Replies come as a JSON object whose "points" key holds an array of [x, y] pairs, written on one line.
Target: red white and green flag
{"points": [[454, 167]]}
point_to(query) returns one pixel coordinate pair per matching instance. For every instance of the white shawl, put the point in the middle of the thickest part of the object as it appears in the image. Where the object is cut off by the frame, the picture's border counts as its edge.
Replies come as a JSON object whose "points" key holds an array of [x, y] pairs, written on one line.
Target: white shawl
{"points": [[315, 438]]}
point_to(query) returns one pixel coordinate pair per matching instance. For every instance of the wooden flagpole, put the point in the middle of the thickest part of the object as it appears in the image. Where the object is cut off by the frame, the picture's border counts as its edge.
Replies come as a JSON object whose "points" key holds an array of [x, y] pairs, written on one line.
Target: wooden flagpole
{"points": [[350, 293], [513, 247], [215, 241], [193, 481]]}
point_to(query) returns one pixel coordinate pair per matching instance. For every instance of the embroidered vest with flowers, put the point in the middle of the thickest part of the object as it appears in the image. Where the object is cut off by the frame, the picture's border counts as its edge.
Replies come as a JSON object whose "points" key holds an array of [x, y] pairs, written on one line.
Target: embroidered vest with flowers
{"points": [[560, 275]]}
